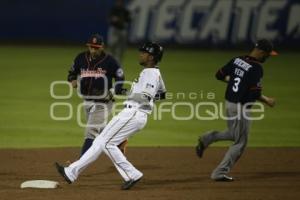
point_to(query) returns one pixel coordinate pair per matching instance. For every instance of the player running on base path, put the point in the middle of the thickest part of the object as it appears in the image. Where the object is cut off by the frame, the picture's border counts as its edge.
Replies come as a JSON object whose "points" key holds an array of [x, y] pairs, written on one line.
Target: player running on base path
{"points": [[148, 88], [243, 76]]}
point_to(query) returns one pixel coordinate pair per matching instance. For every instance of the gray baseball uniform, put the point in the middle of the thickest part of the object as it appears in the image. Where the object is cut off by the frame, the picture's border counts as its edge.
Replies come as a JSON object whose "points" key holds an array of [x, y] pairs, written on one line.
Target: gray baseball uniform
{"points": [[243, 88]]}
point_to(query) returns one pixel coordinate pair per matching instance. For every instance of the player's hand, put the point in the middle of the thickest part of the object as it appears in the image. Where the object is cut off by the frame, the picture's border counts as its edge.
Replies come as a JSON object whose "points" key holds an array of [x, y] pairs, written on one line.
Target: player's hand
{"points": [[227, 79], [74, 83], [270, 101]]}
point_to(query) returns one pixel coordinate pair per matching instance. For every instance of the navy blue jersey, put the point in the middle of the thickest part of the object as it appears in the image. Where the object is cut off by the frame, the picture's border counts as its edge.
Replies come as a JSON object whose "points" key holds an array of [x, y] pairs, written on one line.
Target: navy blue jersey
{"points": [[96, 75], [245, 75]]}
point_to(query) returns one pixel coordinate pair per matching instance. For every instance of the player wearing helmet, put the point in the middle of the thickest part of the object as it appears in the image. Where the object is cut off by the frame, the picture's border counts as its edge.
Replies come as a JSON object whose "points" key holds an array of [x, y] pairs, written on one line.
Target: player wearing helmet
{"points": [[148, 88]]}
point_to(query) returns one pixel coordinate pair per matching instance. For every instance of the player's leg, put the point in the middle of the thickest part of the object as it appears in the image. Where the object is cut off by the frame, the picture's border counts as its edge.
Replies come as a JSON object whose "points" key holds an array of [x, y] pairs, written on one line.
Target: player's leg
{"points": [[240, 131], [88, 136], [122, 43], [117, 157], [97, 117], [214, 136], [74, 169], [113, 127], [117, 53], [116, 166], [113, 41]]}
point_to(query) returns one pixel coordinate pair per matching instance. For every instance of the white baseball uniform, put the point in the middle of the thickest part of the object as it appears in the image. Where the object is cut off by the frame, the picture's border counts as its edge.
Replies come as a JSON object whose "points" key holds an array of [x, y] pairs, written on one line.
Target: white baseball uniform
{"points": [[130, 120]]}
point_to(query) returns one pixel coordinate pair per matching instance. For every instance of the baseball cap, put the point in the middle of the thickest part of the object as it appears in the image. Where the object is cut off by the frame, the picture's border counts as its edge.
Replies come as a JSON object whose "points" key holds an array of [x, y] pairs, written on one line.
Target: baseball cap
{"points": [[95, 40], [267, 46]]}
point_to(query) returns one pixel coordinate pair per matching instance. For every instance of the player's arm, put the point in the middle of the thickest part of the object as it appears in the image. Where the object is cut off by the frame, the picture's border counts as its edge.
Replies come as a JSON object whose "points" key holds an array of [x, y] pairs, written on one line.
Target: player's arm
{"points": [[267, 100], [74, 72], [161, 93], [223, 74], [150, 81], [256, 88]]}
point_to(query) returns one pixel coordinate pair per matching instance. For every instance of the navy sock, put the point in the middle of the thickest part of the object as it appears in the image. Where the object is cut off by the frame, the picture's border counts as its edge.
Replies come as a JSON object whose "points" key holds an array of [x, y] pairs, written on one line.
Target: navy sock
{"points": [[86, 145]]}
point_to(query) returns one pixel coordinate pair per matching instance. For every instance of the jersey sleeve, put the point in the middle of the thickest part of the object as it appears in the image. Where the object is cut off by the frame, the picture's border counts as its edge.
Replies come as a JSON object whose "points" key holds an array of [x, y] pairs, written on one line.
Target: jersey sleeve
{"points": [[161, 87], [224, 71], [161, 92], [151, 83], [255, 83], [255, 78], [74, 70]]}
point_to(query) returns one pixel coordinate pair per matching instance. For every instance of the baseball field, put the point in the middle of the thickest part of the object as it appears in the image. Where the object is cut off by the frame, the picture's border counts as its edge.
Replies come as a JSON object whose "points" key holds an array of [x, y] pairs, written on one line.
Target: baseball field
{"points": [[33, 135]]}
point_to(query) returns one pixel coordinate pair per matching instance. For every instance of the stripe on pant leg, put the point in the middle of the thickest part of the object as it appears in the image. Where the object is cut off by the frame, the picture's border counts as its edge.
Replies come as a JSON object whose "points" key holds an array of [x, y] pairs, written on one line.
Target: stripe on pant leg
{"points": [[112, 138], [112, 125]]}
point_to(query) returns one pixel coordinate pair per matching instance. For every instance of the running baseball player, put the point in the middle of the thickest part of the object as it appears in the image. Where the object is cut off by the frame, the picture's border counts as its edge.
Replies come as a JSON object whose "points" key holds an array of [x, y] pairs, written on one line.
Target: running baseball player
{"points": [[243, 76], [96, 70], [148, 88]]}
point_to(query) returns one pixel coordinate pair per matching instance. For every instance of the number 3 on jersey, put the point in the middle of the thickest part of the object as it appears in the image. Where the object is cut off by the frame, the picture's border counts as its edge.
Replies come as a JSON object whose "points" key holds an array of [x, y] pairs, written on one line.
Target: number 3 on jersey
{"points": [[237, 81]]}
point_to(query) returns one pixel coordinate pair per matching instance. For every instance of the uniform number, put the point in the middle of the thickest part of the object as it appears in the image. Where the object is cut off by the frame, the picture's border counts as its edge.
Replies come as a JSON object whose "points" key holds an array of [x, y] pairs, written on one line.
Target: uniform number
{"points": [[237, 81]]}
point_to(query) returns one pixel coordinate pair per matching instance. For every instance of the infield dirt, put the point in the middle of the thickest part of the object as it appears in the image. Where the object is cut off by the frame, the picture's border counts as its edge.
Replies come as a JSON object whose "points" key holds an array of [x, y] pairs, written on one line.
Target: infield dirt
{"points": [[169, 173]]}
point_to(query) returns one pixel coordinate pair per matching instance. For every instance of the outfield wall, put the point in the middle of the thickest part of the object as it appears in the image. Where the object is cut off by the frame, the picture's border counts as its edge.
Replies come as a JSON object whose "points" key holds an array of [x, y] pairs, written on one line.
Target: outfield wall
{"points": [[183, 22]]}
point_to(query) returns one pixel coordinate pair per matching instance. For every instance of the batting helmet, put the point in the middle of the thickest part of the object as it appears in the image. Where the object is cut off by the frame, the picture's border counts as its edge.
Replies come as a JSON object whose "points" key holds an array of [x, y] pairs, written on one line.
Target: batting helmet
{"points": [[153, 49]]}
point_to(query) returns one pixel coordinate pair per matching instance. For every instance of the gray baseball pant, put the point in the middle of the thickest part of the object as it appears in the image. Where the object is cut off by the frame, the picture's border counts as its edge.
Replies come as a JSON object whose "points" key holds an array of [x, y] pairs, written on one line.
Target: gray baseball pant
{"points": [[238, 129], [97, 117]]}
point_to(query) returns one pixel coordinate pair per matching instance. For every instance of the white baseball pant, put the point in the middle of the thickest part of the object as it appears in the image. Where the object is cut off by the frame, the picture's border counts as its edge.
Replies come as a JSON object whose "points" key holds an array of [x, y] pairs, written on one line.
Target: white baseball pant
{"points": [[121, 127]]}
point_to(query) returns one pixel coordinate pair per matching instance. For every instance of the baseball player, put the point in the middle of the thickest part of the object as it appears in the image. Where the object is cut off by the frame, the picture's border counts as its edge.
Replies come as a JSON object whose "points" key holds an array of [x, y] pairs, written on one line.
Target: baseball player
{"points": [[148, 88], [96, 70], [119, 19], [243, 76]]}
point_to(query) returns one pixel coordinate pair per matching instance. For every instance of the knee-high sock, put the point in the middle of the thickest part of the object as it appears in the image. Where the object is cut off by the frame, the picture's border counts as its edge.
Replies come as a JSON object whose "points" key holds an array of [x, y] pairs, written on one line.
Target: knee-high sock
{"points": [[86, 145]]}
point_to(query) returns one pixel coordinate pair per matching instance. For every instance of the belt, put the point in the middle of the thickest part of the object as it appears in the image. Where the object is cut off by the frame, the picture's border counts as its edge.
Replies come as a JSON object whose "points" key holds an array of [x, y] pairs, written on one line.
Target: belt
{"points": [[101, 100]]}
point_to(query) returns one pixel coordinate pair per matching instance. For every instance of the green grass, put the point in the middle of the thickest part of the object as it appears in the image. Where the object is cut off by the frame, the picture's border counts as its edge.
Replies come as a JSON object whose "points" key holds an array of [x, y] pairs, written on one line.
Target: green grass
{"points": [[27, 72]]}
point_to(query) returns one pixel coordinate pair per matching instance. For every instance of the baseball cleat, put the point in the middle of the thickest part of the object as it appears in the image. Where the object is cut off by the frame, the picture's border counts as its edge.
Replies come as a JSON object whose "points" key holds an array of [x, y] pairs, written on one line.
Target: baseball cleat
{"points": [[129, 184], [200, 148], [224, 178], [61, 170]]}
